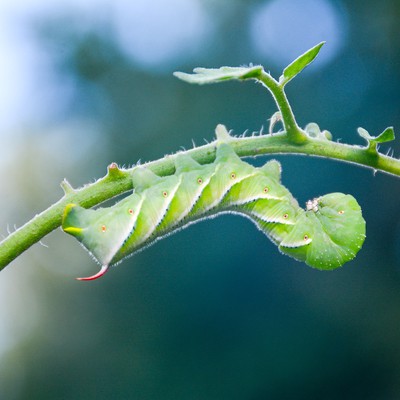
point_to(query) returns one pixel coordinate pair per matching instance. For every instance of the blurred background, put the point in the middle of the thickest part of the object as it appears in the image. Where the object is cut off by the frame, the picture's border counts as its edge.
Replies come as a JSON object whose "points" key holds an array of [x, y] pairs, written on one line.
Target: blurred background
{"points": [[213, 312]]}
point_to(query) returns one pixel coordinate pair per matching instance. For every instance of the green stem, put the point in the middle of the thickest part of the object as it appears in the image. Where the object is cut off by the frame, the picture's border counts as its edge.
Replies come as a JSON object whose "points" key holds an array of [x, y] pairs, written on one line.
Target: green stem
{"points": [[294, 133], [118, 181]]}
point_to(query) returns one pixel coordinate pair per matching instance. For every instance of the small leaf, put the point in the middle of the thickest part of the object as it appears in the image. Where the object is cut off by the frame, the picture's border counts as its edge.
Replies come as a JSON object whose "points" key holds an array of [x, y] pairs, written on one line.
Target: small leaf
{"points": [[299, 64], [364, 134], [211, 75], [386, 136], [313, 131]]}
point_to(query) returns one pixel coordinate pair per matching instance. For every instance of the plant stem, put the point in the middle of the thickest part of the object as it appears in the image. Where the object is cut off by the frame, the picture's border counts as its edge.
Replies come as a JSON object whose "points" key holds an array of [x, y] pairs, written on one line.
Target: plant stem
{"points": [[294, 133], [118, 181]]}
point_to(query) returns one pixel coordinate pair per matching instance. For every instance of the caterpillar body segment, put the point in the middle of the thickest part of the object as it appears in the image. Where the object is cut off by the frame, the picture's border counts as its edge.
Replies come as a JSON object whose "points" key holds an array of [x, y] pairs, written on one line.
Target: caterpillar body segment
{"points": [[229, 170], [261, 186], [333, 238], [325, 235], [191, 188], [156, 202]]}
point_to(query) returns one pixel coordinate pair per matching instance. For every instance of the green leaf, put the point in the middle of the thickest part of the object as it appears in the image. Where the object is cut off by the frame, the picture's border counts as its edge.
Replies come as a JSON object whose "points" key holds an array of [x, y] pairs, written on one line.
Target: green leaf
{"points": [[313, 131], [299, 64], [211, 75], [386, 136]]}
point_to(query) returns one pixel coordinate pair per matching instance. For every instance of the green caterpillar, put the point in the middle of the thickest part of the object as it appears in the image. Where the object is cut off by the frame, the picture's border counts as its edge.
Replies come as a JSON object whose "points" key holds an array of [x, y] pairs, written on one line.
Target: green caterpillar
{"points": [[328, 233]]}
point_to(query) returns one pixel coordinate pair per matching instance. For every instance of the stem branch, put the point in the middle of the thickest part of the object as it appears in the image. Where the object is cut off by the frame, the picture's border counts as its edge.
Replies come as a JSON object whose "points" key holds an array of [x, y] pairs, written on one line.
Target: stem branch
{"points": [[294, 133]]}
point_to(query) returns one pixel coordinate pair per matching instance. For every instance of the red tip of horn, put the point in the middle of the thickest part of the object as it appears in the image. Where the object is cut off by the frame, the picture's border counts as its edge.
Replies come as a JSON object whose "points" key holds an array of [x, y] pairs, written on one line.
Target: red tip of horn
{"points": [[103, 270]]}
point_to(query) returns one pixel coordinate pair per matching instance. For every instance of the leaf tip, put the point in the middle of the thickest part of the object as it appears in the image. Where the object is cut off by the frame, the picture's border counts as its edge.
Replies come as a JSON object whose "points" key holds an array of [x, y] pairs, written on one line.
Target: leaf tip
{"points": [[301, 62]]}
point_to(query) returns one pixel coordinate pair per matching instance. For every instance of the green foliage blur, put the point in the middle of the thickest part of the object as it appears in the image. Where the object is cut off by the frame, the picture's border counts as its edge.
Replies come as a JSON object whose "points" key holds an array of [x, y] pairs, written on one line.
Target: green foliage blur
{"points": [[213, 312]]}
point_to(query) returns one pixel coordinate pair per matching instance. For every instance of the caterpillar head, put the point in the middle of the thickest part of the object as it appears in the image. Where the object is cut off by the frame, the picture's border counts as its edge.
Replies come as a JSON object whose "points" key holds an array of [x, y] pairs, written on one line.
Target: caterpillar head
{"points": [[329, 233]]}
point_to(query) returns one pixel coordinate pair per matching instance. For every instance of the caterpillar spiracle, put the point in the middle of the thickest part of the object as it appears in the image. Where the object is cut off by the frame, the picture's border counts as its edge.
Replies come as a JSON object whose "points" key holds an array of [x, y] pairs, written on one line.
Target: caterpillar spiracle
{"points": [[325, 235]]}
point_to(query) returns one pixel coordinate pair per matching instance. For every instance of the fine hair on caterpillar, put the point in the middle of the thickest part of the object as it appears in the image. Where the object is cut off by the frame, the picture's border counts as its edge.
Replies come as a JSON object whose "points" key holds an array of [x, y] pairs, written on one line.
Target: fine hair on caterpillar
{"points": [[325, 235]]}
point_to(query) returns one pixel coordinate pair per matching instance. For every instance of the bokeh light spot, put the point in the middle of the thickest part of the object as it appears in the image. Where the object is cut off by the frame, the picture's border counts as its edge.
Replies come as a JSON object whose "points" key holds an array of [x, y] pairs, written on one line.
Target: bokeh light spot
{"points": [[163, 32], [284, 29]]}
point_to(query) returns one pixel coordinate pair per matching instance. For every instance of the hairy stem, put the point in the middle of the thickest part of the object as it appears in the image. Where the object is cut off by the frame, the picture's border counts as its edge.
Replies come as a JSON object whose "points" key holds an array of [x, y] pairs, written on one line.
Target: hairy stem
{"points": [[294, 133], [118, 181]]}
